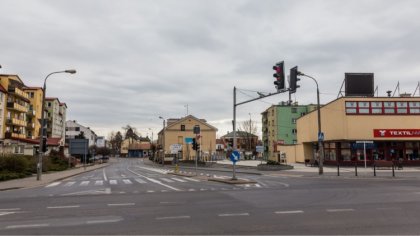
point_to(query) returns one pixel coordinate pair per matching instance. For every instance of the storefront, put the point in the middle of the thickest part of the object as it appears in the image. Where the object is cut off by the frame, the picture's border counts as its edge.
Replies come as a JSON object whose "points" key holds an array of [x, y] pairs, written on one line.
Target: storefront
{"points": [[355, 128]]}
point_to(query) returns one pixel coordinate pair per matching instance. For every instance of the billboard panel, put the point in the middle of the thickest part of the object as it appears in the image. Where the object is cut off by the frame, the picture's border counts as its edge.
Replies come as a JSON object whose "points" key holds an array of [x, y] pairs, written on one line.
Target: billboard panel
{"points": [[359, 84]]}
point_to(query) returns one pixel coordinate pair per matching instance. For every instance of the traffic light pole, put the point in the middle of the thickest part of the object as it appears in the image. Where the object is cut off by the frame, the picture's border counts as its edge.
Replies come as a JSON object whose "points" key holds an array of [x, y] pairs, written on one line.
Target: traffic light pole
{"points": [[241, 103], [320, 140]]}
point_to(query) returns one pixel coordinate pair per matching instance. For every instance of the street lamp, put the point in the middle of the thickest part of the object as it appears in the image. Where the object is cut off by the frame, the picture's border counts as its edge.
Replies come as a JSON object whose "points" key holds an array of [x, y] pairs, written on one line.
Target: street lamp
{"points": [[43, 133], [163, 141], [320, 135]]}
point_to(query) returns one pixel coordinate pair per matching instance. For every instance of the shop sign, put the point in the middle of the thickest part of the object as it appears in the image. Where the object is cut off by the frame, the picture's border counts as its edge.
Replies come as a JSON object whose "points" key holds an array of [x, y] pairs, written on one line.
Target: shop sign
{"points": [[396, 133]]}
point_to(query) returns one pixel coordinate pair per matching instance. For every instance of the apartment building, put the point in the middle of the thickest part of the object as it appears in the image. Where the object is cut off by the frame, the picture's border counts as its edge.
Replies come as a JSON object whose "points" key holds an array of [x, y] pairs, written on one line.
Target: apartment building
{"points": [[279, 126], [15, 123], [3, 94], [34, 113], [74, 129], [56, 116]]}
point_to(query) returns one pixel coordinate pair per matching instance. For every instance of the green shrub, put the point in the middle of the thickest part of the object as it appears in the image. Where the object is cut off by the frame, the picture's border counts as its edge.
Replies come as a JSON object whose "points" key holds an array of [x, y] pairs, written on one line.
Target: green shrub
{"points": [[271, 162]]}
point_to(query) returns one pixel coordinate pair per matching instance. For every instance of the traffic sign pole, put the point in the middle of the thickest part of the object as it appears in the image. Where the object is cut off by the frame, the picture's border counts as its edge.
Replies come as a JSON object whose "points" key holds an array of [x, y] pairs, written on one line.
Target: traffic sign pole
{"points": [[234, 174]]}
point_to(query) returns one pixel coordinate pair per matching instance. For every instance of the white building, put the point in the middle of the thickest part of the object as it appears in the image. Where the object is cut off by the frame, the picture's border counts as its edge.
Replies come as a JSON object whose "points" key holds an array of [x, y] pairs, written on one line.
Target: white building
{"points": [[74, 129], [100, 141], [56, 116]]}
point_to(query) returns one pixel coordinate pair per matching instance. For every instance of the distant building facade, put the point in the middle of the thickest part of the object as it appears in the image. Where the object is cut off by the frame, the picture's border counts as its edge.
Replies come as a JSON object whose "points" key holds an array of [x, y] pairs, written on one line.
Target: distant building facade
{"points": [[74, 129]]}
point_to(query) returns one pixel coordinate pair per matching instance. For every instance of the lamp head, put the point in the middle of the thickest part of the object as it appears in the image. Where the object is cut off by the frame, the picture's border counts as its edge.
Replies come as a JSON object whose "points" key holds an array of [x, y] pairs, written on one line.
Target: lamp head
{"points": [[71, 71]]}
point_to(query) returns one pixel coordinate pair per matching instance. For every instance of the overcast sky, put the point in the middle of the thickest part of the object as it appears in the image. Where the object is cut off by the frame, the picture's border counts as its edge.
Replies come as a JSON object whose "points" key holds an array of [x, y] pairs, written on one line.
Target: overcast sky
{"points": [[138, 60]]}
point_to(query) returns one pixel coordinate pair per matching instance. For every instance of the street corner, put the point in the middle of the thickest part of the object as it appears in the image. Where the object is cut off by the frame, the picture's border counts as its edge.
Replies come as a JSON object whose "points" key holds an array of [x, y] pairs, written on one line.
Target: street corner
{"points": [[232, 181]]}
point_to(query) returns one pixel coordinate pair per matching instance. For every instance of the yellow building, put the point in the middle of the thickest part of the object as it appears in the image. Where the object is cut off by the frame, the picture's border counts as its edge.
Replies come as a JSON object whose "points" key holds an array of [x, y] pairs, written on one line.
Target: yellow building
{"points": [[389, 125], [34, 113], [15, 123], [177, 133]]}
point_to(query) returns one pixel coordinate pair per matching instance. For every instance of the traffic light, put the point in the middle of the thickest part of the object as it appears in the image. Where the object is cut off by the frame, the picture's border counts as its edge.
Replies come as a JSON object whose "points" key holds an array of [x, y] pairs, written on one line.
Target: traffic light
{"points": [[194, 144], [279, 75], [44, 145], [294, 79]]}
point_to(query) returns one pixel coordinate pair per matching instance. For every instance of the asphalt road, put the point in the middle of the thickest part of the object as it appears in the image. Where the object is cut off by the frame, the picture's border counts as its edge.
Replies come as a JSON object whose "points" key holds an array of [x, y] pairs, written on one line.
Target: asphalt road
{"points": [[129, 197]]}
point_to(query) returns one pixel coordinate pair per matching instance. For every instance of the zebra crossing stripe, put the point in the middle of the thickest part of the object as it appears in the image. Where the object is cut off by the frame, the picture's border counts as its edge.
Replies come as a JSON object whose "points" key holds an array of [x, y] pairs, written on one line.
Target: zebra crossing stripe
{"points": [[53, 184], [99, 182], [68, 184], [84, 183], [179, 180], [140, 181], [167, 180], [113, 181], [127, 181], [191, 179]]}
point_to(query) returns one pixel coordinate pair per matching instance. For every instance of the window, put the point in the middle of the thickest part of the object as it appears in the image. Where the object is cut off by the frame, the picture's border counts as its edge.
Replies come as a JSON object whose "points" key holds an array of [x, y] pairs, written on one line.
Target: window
{"points": [[77, 128], [302, 114], [389, 107], [294, 131], [294, 141], [364, 107], [351, 107], [49, 104], [293, 120], [294, 110], [414, 107], [182, 127], [402, 108], [376, 107]]}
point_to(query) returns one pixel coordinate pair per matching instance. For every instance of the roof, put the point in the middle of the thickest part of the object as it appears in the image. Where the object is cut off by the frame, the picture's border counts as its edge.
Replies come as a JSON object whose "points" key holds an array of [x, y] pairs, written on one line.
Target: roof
{"points": [[177, 121], [239, 134], [33, 88], [53, 141]]}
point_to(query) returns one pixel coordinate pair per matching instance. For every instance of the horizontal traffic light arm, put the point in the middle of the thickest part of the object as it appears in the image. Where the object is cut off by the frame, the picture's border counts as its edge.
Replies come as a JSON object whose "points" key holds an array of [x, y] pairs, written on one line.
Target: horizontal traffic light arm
{"points": [[261, 97]]}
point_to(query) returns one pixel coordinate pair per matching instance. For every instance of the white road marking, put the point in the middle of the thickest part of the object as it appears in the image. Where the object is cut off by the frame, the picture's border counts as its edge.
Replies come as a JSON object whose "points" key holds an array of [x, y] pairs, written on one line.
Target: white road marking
{"points": [[68, 184], [339, 210], [191, 190], [140, 181], [127, 181], [123, 175], [258, 186], [26, 226], [191, 179], [113, 181], [121, 204], [173, 217], [84, 183], [167, 180], [203, 189], [99, 182], [53, 184], [103, 171], [150, 191], [6, 213], [288, 212], [62, 207], [234, 214], [179, 180], [102, 221], [10, 209], [154, 181]]}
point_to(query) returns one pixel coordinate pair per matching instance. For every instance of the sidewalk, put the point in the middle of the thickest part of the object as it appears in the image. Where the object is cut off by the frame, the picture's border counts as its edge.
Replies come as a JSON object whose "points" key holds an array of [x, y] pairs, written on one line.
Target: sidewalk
{"points": [[46, 178]]}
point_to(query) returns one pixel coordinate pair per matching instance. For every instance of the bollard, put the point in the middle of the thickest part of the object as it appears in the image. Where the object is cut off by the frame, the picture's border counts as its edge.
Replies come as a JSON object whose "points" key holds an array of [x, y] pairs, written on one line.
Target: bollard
{"points": [[338, 169], [393, 170], [355, 169], [374, 170]]}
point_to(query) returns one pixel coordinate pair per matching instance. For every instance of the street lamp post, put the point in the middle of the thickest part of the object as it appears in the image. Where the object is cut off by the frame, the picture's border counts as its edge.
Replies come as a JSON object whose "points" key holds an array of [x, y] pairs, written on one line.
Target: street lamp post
{"points": [[43, 131], [320, 136], [163, 141]]}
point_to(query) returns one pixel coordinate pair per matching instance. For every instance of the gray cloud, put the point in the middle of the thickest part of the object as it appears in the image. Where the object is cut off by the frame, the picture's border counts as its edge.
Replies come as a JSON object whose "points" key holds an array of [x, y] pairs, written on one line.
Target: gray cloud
{"points": [[138, 60]]}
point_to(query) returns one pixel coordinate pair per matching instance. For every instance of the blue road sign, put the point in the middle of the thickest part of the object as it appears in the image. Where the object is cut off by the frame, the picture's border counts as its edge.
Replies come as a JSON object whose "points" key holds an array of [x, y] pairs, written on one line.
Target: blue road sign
{"points": [[234, 156], [321, 137], [188, 140]]}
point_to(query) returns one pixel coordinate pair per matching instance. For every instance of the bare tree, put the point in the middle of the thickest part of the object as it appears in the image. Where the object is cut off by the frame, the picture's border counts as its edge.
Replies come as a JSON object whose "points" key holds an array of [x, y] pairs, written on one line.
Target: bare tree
{"points": [[249, 129]]}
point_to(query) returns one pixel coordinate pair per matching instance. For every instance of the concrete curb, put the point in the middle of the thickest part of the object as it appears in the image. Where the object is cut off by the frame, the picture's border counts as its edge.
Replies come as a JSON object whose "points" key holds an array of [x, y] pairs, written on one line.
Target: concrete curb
{"points": [[230, 181], [20, 183]]}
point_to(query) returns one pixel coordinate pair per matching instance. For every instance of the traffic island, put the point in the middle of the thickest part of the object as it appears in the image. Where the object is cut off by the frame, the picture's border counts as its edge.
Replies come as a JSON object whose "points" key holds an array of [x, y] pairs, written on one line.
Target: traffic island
{"points": [[232, 181], [182, 174]]}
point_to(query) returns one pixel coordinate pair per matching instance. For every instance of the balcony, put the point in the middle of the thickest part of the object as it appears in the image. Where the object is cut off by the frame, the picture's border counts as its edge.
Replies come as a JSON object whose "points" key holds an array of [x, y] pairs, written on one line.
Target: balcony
{"points": [[30, 112], [14, 135], [17, 107], [17, 92], [16, 122], [30, 125]]}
